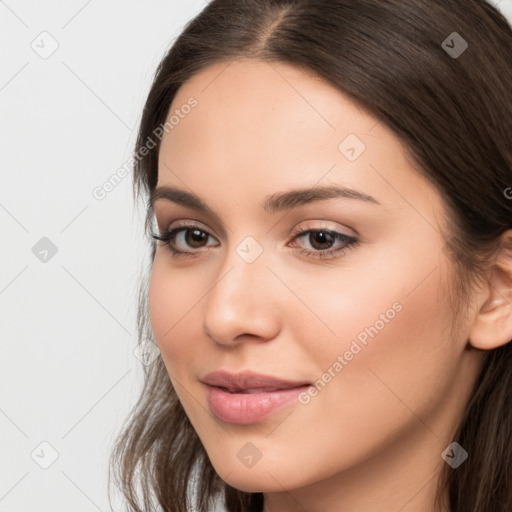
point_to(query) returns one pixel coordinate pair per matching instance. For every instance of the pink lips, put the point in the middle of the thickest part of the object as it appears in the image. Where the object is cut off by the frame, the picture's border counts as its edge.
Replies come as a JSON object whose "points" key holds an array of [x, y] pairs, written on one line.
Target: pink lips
{"points": [[248, 397]]}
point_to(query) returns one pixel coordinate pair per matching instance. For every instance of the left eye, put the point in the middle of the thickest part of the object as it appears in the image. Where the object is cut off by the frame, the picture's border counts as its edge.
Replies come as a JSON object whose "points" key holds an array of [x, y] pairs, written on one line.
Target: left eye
{"points": [[318, 237]]}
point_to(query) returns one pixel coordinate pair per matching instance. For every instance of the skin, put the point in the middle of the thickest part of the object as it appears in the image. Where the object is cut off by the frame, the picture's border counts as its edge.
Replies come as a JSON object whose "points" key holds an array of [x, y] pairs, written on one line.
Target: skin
{"points": [[372, 438]]}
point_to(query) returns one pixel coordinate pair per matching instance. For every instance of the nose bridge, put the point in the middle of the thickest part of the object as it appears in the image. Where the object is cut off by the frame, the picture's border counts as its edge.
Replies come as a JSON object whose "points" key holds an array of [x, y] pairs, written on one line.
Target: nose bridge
{"points": [[240, 301]]}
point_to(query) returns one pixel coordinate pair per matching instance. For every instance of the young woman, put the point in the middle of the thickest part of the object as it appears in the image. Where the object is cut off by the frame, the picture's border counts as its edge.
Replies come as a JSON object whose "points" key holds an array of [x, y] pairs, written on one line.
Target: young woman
{"points": [[329, 195]]}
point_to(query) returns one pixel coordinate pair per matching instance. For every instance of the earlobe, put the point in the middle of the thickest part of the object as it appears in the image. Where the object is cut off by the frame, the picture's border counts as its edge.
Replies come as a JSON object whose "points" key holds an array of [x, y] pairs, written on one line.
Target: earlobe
{"points": [[492, 326]]}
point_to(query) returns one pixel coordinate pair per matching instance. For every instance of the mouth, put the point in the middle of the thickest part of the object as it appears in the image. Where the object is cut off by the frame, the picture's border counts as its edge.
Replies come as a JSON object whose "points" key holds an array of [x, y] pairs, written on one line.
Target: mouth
{"points": [[249, 382], [247, 397], [252, 405]]}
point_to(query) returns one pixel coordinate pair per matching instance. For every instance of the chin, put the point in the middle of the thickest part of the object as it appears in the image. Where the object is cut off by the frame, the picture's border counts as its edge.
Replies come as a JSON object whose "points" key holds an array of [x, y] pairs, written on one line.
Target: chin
{"points": [[267, 477]]}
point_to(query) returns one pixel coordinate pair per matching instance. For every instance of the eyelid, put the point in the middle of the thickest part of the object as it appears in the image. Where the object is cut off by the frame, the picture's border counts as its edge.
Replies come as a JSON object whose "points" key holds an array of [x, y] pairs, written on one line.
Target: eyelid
{"points": [[187, 223], [323, 224], [163, 213]]}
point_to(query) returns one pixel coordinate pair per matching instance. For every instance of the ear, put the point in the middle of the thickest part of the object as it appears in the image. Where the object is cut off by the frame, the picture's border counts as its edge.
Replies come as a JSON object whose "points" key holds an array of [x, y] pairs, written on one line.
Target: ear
{"points": [[492, 326]]}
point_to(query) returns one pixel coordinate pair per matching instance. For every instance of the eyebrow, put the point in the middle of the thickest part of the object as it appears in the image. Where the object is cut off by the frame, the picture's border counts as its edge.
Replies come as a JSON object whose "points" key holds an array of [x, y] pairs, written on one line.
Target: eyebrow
{"points": [[274, 203]]}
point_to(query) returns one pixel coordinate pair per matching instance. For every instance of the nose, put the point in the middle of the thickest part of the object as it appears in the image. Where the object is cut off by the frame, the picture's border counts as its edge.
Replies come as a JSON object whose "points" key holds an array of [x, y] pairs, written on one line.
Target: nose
{"points": [[243, 303]]}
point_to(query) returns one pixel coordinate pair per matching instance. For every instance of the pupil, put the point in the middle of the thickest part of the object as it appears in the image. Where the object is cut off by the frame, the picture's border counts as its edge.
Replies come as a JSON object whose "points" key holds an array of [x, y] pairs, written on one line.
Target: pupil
{"points": [[322, 235], [196, 237]]}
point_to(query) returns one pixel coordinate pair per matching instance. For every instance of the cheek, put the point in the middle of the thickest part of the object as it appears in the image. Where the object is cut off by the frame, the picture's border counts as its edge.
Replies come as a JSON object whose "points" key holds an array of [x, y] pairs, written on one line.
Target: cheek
{"points": [[391, 322], [395, 349], [401, 373], [395, 296], [172, 313]]}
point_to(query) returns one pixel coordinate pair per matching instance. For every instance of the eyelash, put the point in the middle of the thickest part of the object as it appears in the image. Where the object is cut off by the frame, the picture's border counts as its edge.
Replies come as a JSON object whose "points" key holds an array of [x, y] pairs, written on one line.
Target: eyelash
{"points": [[350, 241]]}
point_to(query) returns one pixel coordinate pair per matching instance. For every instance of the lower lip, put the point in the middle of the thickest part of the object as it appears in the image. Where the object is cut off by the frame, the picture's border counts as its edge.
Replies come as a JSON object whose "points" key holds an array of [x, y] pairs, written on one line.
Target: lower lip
{"points": [[247, 408]]}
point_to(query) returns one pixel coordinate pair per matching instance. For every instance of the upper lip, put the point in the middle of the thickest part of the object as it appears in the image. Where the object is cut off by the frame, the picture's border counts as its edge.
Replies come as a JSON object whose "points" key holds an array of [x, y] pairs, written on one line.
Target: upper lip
{"points": [[248, 380]]}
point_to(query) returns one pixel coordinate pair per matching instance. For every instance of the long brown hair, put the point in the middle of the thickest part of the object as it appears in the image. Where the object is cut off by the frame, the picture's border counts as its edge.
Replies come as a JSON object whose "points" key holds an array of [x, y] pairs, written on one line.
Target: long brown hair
{"points": [[450, 105]]}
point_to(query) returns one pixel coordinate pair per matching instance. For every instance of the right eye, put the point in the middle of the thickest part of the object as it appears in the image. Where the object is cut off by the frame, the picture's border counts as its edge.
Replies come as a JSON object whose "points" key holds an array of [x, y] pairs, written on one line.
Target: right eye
{"points": [[189, 235]]}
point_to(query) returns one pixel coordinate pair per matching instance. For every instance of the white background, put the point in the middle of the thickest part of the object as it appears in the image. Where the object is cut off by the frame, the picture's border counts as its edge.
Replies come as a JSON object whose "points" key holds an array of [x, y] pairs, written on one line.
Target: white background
{"points": [[68, 373]]}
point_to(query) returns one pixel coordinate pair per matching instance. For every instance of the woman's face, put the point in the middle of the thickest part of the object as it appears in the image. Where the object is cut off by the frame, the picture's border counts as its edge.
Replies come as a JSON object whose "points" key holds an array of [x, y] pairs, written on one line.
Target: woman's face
{"points": [[366, 324]]}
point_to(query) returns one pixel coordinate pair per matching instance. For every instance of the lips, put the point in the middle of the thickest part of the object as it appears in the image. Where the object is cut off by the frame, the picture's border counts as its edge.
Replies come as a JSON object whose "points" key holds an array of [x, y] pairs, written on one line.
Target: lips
{"points": [[249, 382], [247, 397]]}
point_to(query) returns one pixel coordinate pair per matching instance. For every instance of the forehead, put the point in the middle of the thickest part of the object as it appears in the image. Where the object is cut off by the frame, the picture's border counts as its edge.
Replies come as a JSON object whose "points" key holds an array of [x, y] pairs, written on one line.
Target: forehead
{"points": [[267, 103], [261, 126]]}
